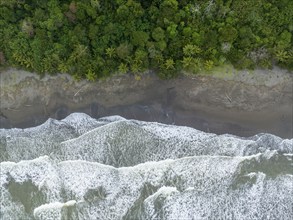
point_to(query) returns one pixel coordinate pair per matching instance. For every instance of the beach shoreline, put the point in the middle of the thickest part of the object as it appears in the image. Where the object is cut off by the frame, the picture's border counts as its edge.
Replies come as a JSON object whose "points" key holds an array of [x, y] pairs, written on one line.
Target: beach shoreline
{"points": [[243, 103]]}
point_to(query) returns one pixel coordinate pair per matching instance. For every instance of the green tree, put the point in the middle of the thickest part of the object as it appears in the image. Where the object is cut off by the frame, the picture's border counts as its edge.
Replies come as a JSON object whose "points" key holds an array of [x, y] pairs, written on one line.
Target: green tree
{"points": [[158, 34], [228, 34], [172, 30], [284, 41], [139, 38], [168, 9], [124, 50]]}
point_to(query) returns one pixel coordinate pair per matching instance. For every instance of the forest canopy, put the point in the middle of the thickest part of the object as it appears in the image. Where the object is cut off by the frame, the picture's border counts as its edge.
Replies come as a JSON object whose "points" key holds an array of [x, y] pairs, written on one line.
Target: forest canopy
{"points": [[97, 38]]}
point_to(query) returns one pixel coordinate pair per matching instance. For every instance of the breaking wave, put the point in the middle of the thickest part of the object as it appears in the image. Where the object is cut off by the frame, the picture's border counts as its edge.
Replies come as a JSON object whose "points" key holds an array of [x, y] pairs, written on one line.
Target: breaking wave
{"points": [[113, 168]]}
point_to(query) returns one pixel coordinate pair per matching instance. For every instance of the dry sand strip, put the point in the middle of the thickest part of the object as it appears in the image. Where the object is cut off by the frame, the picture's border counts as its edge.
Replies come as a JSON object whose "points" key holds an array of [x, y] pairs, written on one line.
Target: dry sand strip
{"points": [[226, 101]]}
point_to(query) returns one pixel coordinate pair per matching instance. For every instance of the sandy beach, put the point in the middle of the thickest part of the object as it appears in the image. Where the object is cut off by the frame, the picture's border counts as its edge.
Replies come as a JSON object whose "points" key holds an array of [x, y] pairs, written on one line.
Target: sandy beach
{"points": [[243, 103]]}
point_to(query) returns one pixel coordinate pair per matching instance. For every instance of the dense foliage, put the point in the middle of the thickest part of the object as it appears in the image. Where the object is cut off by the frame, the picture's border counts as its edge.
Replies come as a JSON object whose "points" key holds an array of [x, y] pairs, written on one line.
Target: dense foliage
{"points": [[96, 38]]}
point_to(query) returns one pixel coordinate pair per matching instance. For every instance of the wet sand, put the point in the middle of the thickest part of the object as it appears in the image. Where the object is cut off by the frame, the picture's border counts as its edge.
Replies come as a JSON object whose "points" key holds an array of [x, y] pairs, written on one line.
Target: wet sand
{"points": [[234, 102]]}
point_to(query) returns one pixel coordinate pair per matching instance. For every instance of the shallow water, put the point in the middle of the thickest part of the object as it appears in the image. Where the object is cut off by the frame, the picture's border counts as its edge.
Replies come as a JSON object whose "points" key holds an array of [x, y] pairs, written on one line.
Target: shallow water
{"points": [[113, 168]]}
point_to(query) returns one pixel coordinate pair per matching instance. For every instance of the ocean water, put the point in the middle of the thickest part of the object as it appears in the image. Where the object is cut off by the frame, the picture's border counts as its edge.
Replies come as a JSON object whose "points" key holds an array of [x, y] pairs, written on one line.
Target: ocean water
{"points": [[113, 168]]}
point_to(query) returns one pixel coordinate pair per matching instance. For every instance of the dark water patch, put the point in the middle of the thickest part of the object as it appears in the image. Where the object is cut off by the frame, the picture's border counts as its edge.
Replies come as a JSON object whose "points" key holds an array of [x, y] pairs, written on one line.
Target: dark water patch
{"points": [[136, 211], [95, 194], [271, 165], [27, 194]]}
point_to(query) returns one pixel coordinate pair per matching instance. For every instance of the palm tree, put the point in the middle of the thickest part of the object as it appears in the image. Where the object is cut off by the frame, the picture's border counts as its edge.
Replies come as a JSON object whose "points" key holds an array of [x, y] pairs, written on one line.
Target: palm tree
{"points": [[123, 68], [208, 64], [169, 64], [191, 50], [90, 75], [282, 55], [187, 62], [110, 52]]}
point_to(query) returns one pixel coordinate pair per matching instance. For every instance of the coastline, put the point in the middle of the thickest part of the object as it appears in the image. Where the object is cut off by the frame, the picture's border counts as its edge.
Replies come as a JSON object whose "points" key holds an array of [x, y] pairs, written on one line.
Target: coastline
{"points": [[243, 103]]}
